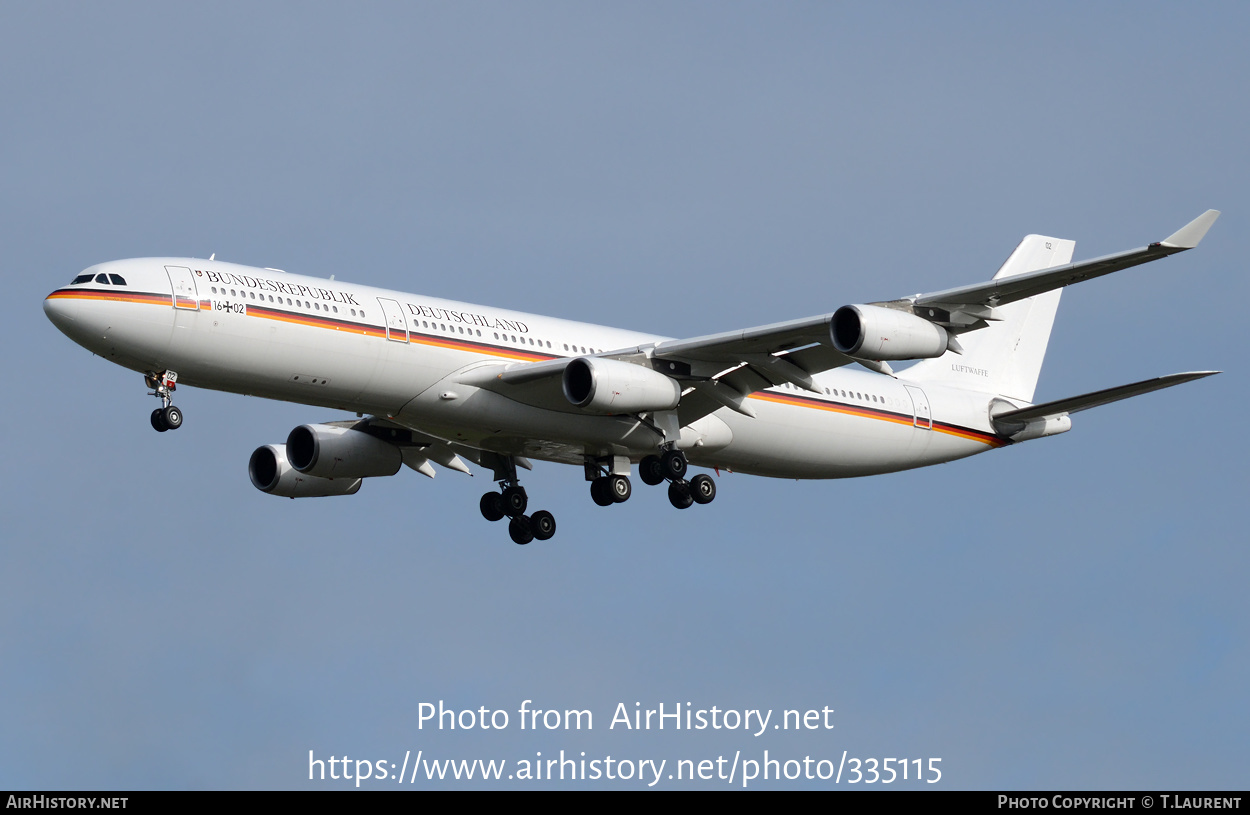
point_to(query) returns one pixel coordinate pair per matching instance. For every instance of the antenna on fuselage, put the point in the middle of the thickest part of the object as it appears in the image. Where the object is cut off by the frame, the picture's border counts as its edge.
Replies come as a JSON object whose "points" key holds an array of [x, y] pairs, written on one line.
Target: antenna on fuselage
{"points": [[213, 256]]}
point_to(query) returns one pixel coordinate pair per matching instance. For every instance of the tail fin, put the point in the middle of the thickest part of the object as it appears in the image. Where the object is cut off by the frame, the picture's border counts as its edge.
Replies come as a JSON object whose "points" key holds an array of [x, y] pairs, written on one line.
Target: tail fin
{"points": [[1006, 357]]}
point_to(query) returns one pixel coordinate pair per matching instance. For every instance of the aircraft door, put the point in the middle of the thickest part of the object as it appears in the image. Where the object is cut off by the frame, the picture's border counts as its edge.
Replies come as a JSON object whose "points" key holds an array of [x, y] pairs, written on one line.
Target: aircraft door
{"points": [[922, 417], [396, 325], [183, 284]]}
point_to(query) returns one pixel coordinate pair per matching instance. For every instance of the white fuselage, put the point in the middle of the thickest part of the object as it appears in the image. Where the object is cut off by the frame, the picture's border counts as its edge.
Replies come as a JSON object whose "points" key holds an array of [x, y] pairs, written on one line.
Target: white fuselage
{"points": [[410, 358]]}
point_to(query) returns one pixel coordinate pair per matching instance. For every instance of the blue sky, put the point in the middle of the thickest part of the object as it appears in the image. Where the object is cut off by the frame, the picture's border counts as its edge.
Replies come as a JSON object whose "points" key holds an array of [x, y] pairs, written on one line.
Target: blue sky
{"points": [[1068, 613]]}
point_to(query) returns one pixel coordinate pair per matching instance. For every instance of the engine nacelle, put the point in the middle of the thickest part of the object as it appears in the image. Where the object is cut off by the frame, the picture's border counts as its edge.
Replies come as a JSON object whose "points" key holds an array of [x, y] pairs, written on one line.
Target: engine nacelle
{"points": [[272, 473], [612, 386], [330, 451], [873, 332]]}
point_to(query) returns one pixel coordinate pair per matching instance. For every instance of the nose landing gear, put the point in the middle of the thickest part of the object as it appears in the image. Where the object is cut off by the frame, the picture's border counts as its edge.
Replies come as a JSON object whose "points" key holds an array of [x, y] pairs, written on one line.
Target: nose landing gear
{"points": [[166, 417]]}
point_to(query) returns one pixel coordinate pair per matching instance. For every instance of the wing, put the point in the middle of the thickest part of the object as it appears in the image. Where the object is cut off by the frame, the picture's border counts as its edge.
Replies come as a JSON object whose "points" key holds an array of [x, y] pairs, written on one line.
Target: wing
{"points": [[969, 307], [722, 370], [715, 371]]}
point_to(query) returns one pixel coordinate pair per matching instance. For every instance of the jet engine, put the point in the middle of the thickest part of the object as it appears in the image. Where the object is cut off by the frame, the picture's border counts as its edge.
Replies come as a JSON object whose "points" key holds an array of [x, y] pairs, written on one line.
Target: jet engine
{"points": [[272, 473], [612, 386], [873, 332], [330, 451]]}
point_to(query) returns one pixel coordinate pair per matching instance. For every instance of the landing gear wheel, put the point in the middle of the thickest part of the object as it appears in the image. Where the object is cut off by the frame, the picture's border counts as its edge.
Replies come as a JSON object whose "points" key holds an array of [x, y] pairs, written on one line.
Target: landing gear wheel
{"points": [[158, 420], [599, 492], [679, 495], [542, 525], [519, 530], [492, 506], [673, 465], [702, 489], [172, 417], [514, 502], [649, 471], [619, 489]]}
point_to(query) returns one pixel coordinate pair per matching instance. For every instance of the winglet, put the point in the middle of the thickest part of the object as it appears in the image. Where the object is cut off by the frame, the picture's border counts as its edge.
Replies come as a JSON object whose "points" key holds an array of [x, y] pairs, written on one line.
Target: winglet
{"points": [[1191, 234]]}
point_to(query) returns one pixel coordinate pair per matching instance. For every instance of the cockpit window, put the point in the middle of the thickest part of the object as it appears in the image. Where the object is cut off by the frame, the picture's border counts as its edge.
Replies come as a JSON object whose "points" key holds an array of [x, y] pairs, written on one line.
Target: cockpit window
{"points": [[102, 278], [82, 278], [117, 279]]}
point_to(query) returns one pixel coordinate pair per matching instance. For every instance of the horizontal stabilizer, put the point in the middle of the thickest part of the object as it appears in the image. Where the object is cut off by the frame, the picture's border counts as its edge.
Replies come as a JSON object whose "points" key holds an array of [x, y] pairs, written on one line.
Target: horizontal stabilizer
{"points": [[1089, 400]]}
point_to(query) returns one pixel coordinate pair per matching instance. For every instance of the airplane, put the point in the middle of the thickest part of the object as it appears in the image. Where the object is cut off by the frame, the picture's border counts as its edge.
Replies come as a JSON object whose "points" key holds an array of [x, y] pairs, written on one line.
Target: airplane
{"points": [[436, 382]]}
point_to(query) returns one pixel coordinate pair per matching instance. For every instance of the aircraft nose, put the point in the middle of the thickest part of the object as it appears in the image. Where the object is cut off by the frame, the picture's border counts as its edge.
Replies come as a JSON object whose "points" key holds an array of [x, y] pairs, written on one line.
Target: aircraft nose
{"points": [[60, 310]]}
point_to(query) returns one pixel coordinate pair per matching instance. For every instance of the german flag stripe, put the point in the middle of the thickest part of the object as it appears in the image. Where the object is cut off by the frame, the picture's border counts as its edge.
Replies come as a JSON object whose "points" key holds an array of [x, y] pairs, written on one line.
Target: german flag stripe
{"points": [[880, 415], [119, 295], [434, 341], [297, 318]]}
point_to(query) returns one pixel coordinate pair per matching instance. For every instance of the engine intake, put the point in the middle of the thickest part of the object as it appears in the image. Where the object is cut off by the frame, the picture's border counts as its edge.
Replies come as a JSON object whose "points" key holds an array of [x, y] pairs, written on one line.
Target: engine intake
{"points": [[873, 332], [330, 451], [272, 473], [613, 386]]}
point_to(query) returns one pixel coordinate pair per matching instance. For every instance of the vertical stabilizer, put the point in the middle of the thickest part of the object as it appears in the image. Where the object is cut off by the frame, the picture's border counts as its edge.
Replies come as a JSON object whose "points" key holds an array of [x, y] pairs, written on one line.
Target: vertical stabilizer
{"points": [[1005, 357]]}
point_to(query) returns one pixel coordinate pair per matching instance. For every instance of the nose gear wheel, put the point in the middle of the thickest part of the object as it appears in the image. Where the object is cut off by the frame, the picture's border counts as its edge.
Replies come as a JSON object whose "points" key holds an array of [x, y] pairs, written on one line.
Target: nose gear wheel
{"points": [[166, 417]]}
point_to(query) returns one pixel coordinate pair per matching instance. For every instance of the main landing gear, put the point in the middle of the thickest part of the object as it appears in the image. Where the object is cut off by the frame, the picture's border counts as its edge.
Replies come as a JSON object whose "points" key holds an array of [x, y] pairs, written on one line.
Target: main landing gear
{"points": [[162, 384], [511, 502], [671, 466], [609, 479]]}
